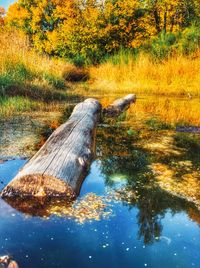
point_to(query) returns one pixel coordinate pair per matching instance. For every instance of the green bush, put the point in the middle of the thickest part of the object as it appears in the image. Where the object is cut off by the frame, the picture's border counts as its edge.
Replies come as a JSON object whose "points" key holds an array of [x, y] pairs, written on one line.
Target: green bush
{"points": [[168, 44], [190, 40]]}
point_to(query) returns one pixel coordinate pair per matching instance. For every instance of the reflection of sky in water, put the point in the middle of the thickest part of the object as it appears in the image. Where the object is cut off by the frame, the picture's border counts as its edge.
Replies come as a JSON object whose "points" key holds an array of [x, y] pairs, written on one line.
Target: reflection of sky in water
{"points": [[59, 242]]}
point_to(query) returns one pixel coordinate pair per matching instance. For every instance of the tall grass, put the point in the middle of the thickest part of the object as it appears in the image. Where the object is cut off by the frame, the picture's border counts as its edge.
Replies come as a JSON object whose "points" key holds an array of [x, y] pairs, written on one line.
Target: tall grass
{"points": [[167, 64], [173, 111], [159, 85], [24, 72], [10, 106], [176, 76]]}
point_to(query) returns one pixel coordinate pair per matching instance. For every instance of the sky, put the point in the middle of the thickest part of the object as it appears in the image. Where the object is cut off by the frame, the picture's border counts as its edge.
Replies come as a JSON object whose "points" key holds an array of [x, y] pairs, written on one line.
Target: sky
{"points": [[6, 3]]}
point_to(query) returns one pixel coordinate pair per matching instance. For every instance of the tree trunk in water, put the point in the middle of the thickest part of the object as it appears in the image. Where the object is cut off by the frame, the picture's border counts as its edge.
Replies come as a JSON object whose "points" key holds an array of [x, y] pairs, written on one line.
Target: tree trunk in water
{"points": [[61, 164], [119, 106]]}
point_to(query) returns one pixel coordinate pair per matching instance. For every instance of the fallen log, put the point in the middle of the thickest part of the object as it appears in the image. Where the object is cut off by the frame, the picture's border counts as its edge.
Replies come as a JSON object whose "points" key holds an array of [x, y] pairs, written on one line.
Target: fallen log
{"points": [[119, 106], [59, 167]]}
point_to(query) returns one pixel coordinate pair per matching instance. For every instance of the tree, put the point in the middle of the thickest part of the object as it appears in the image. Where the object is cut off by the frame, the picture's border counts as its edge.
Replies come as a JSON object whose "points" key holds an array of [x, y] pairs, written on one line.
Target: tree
{"points": [[121, 23], [2, 14], [87, 30], [170, 15]]}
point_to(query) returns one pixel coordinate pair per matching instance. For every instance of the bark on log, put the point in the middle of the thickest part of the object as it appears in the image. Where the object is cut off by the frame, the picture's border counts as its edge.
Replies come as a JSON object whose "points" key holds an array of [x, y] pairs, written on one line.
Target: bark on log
{"points": [[119, 106], [61, 164]]}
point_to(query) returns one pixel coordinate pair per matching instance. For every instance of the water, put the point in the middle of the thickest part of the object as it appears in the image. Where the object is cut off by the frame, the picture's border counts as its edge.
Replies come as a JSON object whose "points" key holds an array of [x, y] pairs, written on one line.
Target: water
{"points": [[20, 134], [148, 226]]}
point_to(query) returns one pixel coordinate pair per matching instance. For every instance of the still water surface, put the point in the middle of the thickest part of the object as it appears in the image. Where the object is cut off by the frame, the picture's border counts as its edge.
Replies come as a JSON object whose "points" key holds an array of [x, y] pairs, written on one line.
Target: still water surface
{"points": [[115, 242], [154, 230]]}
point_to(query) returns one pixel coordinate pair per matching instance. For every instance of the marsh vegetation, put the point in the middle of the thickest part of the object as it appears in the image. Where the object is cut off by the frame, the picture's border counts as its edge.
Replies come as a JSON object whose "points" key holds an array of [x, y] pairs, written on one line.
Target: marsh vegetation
{"points": [[140, 199]]}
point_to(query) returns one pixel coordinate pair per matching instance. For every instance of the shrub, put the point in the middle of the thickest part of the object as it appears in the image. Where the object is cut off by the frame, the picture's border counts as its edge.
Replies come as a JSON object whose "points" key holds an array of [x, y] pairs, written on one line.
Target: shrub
{"points": [[190, 40], [75, 74]]}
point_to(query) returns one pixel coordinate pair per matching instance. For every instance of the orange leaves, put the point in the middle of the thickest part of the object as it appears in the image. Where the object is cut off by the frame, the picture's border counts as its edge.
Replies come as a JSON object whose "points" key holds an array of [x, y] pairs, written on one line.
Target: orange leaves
{"points": [[92, 28], [2, 13], [16, 15]]}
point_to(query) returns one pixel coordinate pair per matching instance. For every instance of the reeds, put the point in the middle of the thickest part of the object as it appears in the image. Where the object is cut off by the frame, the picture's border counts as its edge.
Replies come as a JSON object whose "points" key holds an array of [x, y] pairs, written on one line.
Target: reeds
{"points": [[28, 80], [22, 68], [177, 76], [168, 89]]}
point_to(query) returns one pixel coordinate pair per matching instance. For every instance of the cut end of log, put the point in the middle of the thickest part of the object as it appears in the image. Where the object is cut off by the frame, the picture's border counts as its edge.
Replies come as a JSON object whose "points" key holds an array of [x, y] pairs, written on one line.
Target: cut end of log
{"points": [[38, 186]]}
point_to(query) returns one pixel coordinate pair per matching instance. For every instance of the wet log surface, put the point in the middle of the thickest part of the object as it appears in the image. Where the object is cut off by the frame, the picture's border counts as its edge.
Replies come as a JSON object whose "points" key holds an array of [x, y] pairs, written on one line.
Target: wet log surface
{"points": [[120, 105], [59, 167]]}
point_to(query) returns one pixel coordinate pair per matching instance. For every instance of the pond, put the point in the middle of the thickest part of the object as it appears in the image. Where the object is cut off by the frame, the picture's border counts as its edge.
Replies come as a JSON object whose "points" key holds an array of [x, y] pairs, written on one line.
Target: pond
{"points": [[123, 216]]}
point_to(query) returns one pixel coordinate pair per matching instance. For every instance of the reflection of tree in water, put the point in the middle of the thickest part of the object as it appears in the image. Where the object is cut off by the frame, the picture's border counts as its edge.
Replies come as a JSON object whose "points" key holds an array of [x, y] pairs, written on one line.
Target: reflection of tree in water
{"points": [[149, 216], [118, 155], [153, 203]]}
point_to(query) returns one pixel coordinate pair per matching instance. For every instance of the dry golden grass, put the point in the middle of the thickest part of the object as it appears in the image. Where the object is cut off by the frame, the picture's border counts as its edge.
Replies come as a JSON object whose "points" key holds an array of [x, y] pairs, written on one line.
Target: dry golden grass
{"points": [[169, 110], [178, 76], [15, 48], [169, 90], [29, 81]]}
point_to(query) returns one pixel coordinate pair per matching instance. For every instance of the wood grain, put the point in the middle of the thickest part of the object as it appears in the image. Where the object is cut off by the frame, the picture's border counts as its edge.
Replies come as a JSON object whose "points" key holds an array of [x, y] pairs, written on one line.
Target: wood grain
{"points": [[119, 106], [61, 164]]}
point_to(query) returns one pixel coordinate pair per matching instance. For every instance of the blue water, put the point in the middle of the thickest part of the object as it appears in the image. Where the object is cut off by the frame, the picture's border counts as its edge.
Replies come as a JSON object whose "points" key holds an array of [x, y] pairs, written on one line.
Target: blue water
{"points": [[154, 231]]}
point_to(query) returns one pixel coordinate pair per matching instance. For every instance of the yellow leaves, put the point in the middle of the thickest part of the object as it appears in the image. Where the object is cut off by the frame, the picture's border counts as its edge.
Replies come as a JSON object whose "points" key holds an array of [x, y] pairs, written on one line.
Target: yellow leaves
{"points": [[16, 15], [40, 46], [89, 208], [135, 43], [94, 28], [168, 15], [188, 186]]}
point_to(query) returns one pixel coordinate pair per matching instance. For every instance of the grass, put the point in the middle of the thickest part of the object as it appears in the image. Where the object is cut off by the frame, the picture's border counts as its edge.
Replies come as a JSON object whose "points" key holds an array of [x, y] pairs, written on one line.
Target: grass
{"points": [[17, 105], [172, 77], [28, 80], [168, 89], [169, 110], [189, 142]]}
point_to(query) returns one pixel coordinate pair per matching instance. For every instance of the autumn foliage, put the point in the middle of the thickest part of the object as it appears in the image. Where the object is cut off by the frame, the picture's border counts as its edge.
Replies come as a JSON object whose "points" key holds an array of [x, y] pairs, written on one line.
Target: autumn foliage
{"points": [[2, 13], [91, 29]]}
